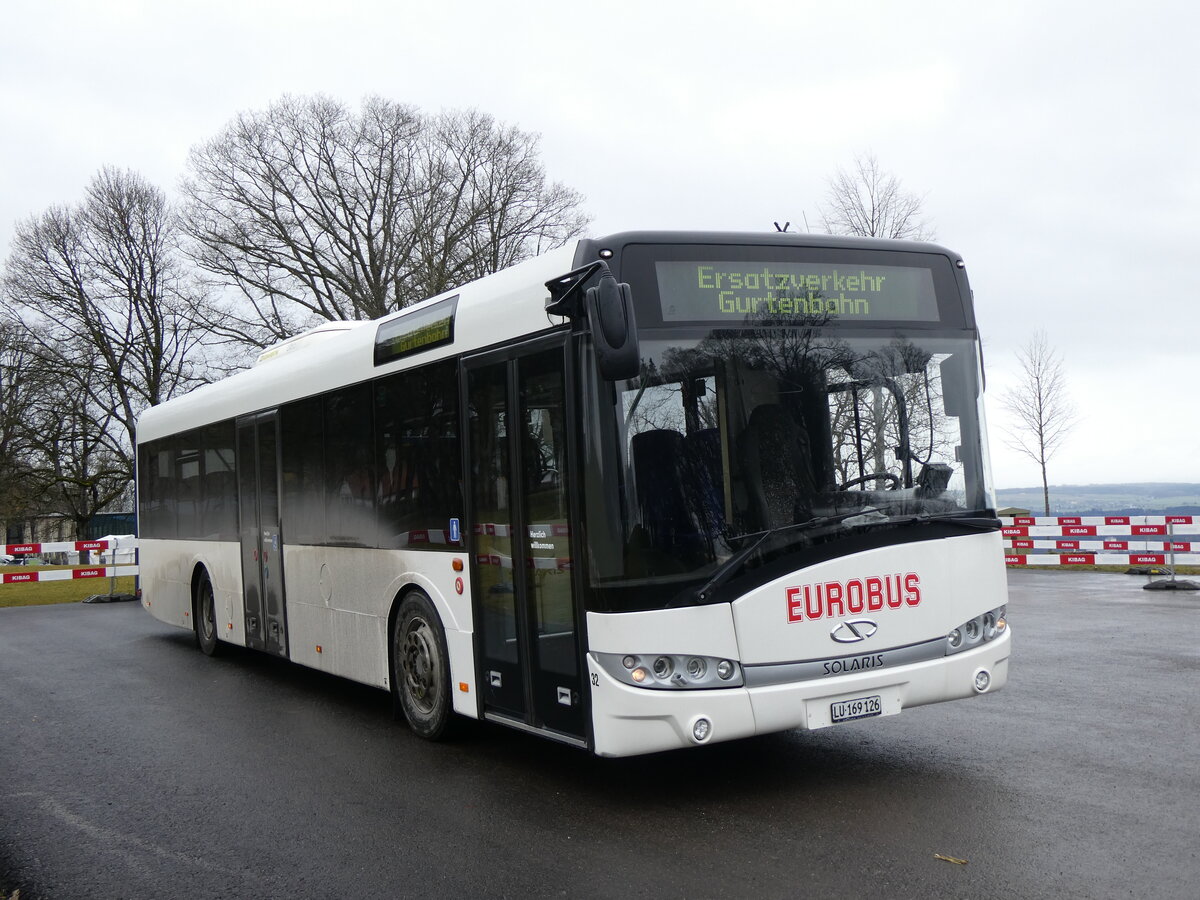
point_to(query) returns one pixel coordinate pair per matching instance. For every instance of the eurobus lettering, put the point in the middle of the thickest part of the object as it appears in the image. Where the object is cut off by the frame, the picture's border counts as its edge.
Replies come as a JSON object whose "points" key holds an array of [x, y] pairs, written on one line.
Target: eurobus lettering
{"points": [[832, 599], [587, 499]]}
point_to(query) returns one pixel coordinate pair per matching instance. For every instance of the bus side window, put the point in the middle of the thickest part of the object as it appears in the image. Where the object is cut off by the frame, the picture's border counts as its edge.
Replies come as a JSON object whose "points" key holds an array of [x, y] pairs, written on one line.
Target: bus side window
{"points": [[417, 456], [303, 472], [349, 489]]}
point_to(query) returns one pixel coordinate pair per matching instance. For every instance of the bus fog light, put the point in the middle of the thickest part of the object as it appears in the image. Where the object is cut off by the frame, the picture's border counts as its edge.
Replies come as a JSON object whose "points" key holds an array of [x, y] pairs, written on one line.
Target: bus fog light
{"points": [[724, 670], [701, 729], [982, 681]]}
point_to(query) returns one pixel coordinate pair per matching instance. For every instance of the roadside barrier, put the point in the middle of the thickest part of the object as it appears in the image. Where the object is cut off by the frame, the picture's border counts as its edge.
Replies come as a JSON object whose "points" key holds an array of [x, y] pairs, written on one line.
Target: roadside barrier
{"points": [[1028, 541], [1101, 540], [116, 547]]}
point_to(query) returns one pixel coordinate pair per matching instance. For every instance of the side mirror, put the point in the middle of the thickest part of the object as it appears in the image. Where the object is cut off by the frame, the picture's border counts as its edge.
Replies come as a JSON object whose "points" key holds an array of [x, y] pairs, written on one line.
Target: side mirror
{"points": [[957, 383], [614, 332]]}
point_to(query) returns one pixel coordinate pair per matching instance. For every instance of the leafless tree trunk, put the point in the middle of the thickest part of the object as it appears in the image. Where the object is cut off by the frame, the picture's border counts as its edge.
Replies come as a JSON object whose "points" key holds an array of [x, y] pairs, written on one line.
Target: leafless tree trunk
{"points": [[870, 202], [105, 311], [311, 212], [1039, 403]]}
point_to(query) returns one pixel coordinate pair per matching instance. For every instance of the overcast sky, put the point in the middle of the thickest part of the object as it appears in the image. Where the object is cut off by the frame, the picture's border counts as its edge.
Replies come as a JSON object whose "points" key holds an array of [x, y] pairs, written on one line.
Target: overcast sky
{"points": [[1057, 144]]}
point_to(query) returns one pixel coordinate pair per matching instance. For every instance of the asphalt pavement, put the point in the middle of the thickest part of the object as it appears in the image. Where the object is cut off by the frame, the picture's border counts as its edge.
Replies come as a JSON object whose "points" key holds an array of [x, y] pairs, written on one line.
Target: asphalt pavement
{"points": [[131, 766]]}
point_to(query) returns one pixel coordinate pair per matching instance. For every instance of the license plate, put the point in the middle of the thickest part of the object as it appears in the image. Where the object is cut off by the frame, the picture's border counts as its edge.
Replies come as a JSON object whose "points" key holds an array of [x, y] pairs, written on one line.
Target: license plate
{"points": [[858, 708]]}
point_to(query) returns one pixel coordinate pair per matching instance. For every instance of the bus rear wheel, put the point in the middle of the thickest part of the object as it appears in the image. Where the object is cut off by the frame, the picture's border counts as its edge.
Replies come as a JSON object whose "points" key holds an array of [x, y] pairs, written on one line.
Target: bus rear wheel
{"points": [[204, 614], [421, 667]]}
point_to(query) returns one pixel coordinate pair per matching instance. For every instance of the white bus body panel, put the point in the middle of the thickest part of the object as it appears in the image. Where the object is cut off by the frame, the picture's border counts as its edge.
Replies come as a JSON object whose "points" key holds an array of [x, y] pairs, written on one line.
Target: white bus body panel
{"points": [[337, 599], [960, 578], [165, 578], [704, 630], [956, 579]]}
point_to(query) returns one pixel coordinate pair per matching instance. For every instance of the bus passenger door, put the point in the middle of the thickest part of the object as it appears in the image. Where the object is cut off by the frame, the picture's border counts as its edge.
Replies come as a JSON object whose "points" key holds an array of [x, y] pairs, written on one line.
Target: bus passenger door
{"points": [[525, 611], [262, 556]]}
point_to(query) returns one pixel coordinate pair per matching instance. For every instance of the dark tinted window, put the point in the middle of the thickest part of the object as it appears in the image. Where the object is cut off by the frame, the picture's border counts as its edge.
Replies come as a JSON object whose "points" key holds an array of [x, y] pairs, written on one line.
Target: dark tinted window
{"points": [[349, 480], [154, 469], [303, 477], [187, 485], [218, 491], [417, 456]]}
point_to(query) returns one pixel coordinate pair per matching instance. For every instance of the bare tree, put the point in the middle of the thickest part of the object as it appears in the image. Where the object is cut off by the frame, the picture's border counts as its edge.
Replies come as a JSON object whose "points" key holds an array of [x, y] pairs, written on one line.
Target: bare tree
{"points": [[17, 396], [312, 212], [869, 202], [1040, 405], [103, 305], [79, 461]]}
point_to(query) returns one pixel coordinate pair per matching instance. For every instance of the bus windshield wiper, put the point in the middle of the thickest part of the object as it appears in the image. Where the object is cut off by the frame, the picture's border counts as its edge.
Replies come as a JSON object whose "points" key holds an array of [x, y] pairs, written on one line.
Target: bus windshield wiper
{"points": [[980, 523], [725, 571]]}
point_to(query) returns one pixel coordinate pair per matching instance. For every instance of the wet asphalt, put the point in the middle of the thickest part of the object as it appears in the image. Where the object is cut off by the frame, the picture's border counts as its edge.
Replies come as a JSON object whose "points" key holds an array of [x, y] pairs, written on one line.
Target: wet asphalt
{"points": [[132, 766]]}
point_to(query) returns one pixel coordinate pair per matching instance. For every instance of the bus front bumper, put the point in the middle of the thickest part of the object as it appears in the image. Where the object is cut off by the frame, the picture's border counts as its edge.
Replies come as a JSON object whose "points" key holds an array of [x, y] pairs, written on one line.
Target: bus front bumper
{"points": [[629, 720]]}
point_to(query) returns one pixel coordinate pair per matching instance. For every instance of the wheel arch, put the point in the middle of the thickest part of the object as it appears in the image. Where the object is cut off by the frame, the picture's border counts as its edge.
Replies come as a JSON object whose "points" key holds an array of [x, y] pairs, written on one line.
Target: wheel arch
{"points": [[459, 642]]}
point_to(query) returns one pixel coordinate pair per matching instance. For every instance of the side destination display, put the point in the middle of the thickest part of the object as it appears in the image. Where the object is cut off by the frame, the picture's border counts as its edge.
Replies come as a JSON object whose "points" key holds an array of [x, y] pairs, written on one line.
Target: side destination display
{"points": [[416, 331], [722, 291]]}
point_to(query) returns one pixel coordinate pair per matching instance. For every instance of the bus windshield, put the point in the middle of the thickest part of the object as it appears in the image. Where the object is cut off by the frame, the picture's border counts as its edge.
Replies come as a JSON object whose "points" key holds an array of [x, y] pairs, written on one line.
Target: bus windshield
{"points": [[730, 436]]}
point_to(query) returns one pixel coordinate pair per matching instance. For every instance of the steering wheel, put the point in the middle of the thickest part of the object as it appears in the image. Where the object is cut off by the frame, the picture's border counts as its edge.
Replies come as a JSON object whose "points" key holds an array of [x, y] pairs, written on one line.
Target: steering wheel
{"points": [[894, 481]]}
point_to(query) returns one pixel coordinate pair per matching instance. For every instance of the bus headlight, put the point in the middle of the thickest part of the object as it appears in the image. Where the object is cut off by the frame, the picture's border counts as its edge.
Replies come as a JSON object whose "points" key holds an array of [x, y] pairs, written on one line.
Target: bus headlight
{"points": [[671, 671], [977, 631]]}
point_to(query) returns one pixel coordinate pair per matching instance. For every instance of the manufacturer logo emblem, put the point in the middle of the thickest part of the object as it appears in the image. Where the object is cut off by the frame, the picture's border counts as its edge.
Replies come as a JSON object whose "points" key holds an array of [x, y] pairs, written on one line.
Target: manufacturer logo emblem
{"points": [[853, 630]]}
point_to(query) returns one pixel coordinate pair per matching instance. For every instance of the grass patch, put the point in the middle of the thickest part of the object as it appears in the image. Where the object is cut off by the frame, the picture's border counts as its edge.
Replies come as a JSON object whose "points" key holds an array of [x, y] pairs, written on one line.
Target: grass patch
{"points": [[43, 593]]}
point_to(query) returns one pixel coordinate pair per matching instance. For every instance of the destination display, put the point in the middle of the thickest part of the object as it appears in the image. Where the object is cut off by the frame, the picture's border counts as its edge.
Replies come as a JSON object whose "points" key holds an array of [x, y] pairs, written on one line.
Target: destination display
{"points": [[415, 332], [721, 291]]}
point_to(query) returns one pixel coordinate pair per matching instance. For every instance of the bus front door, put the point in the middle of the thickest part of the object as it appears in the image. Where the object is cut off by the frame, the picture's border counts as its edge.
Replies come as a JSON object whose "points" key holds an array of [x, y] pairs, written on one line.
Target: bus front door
{"points": [[524, 601], [262, 555]]}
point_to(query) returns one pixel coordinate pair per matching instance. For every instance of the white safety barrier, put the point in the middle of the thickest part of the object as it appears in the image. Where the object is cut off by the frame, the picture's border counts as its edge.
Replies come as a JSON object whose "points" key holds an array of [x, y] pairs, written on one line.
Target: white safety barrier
{"points": [[1100, 540], [1028, 541], [69, 574], [117, 548]]}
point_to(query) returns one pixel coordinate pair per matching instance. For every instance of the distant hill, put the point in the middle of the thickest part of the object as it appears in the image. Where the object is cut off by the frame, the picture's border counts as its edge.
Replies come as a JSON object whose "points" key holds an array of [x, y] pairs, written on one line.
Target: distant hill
{"points": [[1138, 499]]}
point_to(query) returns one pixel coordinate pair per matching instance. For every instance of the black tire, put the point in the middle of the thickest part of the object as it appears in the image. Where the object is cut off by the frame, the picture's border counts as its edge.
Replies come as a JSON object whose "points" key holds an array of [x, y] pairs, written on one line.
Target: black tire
{"points": [[204, 614], [421, 667]]}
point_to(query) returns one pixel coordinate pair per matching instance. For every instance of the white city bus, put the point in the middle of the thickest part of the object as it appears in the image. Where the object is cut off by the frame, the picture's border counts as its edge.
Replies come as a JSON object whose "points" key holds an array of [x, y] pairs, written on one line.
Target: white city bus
{"points": [[648, 491]]}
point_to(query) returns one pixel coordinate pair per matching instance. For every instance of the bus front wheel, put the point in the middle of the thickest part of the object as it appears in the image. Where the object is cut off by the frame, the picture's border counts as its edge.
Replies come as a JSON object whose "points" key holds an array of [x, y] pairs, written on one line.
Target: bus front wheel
{"points": [[421, 667]]}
